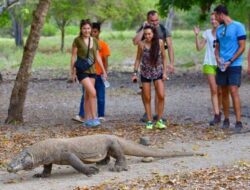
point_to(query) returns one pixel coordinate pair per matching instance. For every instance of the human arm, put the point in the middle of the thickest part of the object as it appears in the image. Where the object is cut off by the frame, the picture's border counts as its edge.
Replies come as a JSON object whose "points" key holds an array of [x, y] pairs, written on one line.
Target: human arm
{"points": [[137, 62], [139, 34], [99, 61], [72, 63], [199, 43], [170, 54], [164, 60]]}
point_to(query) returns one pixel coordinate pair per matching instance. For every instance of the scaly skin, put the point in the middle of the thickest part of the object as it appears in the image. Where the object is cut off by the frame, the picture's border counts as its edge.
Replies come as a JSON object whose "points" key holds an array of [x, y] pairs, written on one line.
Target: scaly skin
{"points": [[80, 151]]}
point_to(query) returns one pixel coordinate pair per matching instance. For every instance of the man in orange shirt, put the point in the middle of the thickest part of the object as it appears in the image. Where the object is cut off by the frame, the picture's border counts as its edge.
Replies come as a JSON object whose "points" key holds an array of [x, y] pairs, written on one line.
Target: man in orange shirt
{"points": [[99, 84], [104, 52]]}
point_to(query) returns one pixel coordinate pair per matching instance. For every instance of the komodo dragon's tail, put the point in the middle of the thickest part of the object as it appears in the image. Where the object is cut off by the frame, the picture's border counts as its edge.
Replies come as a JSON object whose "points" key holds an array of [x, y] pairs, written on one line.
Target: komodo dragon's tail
{"points": [[133, 149]]}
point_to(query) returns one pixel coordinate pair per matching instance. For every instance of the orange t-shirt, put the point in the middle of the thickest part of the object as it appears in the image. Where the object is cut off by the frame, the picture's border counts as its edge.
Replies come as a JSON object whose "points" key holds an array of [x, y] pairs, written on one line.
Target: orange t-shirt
{"points": [[103, 52]]}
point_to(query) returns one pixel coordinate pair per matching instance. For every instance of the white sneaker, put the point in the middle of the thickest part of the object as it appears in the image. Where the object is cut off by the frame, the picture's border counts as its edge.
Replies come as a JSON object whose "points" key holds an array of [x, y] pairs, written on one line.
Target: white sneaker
{"points": [[77, 118], [101, 118]]}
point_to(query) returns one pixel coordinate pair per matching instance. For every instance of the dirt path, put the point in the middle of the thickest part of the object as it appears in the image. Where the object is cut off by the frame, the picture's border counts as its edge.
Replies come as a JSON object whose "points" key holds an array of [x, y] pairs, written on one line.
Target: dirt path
{"points": [[219, 153], [52, 103]]}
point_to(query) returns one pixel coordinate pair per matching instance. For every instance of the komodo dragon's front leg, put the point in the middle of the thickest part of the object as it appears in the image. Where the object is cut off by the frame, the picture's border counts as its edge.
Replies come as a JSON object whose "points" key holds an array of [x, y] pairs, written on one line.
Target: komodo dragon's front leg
{"points": [[116, 152], [46, 171], [77, 164]]}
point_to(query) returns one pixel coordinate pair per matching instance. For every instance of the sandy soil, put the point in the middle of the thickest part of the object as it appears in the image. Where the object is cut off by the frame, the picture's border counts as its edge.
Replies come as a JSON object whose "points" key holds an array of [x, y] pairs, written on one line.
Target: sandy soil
{"points": [[51, 103]]}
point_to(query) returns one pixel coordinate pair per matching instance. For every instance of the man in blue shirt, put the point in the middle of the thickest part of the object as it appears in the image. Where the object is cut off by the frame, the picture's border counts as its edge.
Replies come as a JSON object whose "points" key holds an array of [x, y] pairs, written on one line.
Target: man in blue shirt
{"points": [[231, 43]]}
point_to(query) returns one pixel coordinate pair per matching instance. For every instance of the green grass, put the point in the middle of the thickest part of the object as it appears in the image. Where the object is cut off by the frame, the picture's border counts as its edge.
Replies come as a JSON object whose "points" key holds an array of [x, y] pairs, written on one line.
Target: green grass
{"points": [[122, 57]]}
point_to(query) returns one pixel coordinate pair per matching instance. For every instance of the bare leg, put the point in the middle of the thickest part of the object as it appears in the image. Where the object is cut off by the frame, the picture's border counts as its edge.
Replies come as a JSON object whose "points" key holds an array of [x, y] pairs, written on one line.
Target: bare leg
{"points": [[225, 101], [46, 171], [234, 90], [219, 94], [146, 91], [90, 98], [214, 93], [160, 94]]}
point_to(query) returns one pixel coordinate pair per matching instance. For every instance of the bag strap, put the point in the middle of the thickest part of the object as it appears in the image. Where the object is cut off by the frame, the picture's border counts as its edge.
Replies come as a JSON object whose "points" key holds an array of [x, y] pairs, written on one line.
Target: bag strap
{"points": [[88, 49]]}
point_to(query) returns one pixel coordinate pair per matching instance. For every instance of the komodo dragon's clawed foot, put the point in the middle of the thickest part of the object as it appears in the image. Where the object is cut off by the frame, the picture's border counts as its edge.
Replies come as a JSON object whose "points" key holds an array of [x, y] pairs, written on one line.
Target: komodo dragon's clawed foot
{"points": [[41, 175], [119, 168], [91, 171]]}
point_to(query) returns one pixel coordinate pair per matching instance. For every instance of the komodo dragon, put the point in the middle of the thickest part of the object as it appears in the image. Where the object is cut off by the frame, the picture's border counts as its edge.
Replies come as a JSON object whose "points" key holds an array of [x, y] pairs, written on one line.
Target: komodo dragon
{"points": [[79, 151]]}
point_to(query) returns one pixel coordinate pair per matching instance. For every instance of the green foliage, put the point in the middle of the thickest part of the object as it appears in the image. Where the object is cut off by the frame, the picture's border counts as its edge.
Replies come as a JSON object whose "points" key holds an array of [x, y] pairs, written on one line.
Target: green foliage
{"points": [[124, 14], [4, 19], [72, 30], [204, 5], [49, 30], [242, 12]]}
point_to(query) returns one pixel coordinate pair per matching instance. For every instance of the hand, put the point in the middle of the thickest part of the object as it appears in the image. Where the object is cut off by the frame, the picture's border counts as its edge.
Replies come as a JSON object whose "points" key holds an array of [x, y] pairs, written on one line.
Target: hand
{"points": [[226, 64], [145, 23], [73, 77], [134, 78], [104, 76], [171, 68], [196, 30], [164, 77]]}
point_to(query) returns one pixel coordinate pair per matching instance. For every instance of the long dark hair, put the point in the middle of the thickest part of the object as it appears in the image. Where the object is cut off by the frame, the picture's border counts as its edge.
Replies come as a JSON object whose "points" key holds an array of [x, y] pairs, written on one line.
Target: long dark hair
{"points": [[155, 47], [82, 23]]}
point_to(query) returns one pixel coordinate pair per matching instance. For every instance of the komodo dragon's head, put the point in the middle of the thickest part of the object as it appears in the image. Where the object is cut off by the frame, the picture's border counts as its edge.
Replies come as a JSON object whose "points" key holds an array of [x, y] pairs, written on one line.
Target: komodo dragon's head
{"points": [[22, 161]]}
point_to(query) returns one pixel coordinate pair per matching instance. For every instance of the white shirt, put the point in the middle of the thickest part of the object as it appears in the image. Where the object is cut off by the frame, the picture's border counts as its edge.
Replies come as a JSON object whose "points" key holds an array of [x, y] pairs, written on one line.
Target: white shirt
{"points": [[209, 58]]}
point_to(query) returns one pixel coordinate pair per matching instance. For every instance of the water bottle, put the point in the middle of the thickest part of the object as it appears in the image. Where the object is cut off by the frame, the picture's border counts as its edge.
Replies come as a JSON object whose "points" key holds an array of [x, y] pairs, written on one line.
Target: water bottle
{"points": [[106, 83], [222, 64]]}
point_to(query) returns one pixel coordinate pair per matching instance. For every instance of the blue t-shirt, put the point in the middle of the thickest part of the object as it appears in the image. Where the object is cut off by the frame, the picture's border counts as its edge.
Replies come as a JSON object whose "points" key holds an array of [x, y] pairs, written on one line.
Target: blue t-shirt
{"points": [[228, 37]]}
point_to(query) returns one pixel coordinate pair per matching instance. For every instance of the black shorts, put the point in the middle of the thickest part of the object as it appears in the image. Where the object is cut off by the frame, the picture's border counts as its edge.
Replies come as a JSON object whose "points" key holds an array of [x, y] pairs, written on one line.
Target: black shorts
{"points": [[230, 77], [143, 79], [81, 76]]}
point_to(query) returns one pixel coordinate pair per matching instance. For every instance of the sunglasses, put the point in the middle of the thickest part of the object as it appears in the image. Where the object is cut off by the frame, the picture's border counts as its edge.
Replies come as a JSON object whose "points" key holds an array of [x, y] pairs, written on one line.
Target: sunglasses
{"points": [[214, 43], [224, 31]]}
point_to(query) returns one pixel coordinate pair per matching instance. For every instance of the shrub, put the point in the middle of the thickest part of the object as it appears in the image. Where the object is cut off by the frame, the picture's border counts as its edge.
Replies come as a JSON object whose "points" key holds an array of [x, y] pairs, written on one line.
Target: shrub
{"points": [[72, 30], [49, 30]]}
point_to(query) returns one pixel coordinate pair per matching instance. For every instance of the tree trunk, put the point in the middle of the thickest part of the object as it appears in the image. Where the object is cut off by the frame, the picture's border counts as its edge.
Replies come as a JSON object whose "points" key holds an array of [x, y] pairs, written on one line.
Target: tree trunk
{"points": [[15, 111], [62, 38], [62, 28], [1, 78], [17, 28], [18, 33]]}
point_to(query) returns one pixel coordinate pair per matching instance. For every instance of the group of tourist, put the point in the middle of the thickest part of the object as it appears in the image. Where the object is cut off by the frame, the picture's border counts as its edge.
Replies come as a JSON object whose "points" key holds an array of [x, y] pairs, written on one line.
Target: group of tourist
{"points": [[224, 44]]}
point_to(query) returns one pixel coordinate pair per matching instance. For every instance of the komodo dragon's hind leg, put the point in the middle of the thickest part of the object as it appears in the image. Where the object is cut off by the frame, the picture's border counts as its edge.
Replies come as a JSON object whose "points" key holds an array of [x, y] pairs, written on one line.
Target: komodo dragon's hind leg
{"points": [[117, 153], [105, 161], [46, 171], [77, 164]]}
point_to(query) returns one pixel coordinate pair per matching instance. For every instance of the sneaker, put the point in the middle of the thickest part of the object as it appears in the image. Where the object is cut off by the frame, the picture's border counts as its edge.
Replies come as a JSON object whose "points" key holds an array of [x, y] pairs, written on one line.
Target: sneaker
{"points": [[160, 125], [225, 124], [77, 118], [149, 125], [216, 120], [96, 122], [91, 123], [238, 127], [101, 118], [144, 118]]}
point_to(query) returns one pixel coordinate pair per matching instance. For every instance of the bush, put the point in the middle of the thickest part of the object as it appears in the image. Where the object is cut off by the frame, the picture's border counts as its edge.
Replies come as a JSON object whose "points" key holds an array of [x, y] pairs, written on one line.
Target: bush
{"points": [[49, 30], [72, 30]]}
